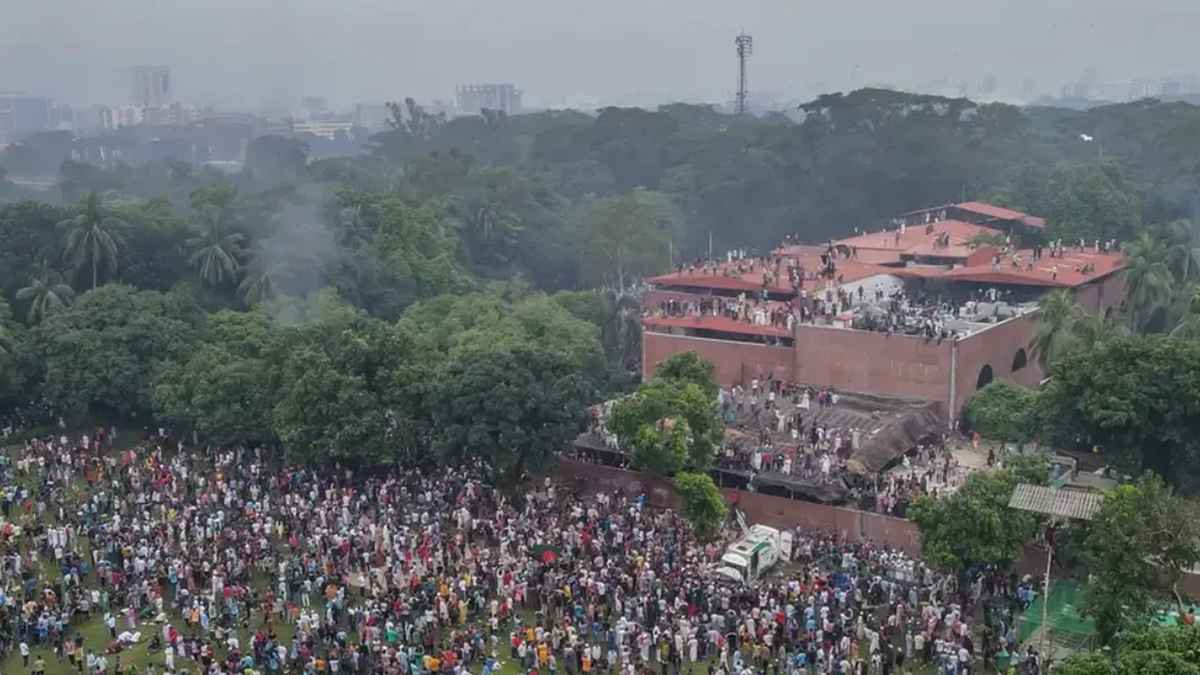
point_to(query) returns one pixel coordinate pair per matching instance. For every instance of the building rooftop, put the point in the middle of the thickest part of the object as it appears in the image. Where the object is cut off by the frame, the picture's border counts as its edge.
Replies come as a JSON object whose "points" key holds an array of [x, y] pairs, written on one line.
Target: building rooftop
{"points": [[1001, 213], [1064, 503], [947, 250], [716, 323], [916, 236]]}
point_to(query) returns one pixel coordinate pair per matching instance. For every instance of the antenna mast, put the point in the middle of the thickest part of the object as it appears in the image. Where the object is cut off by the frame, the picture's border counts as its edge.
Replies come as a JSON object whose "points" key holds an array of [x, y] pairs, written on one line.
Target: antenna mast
{"points": [[745, 47]]}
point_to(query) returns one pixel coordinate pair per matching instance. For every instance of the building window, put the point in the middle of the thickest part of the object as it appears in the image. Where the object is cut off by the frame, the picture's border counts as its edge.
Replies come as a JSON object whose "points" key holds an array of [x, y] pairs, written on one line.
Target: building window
{"points": [[985, 377], [1020, 359]]}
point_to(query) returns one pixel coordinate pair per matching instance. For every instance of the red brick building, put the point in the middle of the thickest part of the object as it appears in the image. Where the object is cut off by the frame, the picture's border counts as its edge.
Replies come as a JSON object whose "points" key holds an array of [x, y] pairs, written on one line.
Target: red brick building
{"points": [[935, 306]]}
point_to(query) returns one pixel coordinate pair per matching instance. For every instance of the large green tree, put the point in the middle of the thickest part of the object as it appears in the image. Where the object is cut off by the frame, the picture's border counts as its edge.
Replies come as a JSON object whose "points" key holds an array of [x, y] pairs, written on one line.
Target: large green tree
{"points": [[626, 238], [342, 383], [514, 408], [641, 417], [100, 353], [224, 388], [975, 525], [1139, 545], [1137, 398]]}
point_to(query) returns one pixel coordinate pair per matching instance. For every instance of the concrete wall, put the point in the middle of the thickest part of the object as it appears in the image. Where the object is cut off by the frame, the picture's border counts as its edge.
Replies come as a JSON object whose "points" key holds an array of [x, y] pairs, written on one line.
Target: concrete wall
{"points": [[735, 362], [865, 361]]}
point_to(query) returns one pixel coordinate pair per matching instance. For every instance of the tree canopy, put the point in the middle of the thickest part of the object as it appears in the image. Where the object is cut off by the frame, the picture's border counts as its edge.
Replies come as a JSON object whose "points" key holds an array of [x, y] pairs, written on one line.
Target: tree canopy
{"points": [[975, 525], [1138, 398]]}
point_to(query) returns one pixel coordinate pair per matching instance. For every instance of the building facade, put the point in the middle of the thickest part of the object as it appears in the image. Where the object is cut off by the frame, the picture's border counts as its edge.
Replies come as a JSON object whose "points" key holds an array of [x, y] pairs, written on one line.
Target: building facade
{"points": [[474, 98], [934, 307], [150, 86]]}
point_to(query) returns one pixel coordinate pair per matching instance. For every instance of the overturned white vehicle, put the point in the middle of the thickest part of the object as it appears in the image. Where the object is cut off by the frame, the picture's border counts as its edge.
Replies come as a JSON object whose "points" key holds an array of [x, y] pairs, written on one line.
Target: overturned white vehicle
{"points": [[749, 558]]}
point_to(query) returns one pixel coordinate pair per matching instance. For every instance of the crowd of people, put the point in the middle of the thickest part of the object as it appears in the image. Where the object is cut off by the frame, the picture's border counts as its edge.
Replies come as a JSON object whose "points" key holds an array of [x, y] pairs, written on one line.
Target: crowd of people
{"points": [[221, 561], [801, 433]]}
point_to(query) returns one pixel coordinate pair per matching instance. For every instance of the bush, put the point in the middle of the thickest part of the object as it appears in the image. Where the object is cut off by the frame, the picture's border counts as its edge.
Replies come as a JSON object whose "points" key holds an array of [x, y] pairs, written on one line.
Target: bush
{"points": [[1005, 412]]}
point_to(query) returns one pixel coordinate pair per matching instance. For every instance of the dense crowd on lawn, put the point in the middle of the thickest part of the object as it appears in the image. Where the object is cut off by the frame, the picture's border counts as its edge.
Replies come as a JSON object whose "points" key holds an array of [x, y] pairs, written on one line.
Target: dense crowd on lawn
{"points": [[220, 562]]}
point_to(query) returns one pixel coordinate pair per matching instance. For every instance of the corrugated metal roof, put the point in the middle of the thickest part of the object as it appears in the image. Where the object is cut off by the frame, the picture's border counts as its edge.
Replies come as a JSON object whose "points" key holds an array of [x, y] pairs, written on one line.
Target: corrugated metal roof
{"points": [[1077, 504]]}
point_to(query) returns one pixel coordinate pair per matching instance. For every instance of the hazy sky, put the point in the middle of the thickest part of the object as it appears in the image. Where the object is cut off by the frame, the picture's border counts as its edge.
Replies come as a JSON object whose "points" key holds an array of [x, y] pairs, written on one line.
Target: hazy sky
{"points": [[241, 52]]}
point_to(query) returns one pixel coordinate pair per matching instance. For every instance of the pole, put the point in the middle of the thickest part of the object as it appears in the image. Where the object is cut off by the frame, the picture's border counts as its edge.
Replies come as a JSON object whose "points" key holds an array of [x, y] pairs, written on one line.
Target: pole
{"points": [[710, 246], [1046, 604]]}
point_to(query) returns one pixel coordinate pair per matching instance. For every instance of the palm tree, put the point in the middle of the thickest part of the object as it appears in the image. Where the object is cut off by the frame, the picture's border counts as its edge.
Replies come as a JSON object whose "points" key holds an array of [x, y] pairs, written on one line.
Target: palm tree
{"points": [[1089, 329], [46, 293], [1184, 253], [1056, 312], [215, 254], [261, 281], [1189, 321], [1148, 279], [94, 238]]}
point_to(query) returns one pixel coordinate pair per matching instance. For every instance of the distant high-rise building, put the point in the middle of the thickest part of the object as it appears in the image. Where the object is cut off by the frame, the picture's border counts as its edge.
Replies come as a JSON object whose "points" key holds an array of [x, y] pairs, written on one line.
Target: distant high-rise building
{"points": [[473, 98], [373, 116], [316, 107], [150, 86], [22, 114]]}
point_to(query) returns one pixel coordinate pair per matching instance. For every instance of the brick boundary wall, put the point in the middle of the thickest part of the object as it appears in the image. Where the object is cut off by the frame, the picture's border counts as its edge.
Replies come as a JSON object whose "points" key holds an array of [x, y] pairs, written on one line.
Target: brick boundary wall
{"points": [[781, 512], [778, 512]]}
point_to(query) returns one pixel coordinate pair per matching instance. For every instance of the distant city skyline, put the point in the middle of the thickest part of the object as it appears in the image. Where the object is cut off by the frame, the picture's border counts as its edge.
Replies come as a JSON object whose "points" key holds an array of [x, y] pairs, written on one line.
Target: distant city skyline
{"points": [[239, 55]]}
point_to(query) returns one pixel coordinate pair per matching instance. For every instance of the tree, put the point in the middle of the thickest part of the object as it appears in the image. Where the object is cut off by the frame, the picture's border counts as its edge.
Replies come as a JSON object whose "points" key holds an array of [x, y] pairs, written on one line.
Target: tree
{"points": [[274, 159], [662, 448], [46, 294], [663, 399], [1188, 323], [94, 239], [1183, 253], [703, 505], [1090, 201], [1155, 663], [215, 253], [513, 408], [225, 388], [689, 367], [1140, 544], [101, 352], [1004, 411], [1137, 398], [260, 283], [19, 365], [625, 238], [1086, 663], [1055, 313], [342, 383], [974, 525], [1147, 278], [1163, 650]]}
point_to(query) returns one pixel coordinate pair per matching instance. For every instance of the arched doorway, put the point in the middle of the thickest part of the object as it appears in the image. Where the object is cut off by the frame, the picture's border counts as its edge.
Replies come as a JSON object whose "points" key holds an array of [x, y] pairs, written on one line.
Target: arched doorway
{"points": [[985, 377], [1020, 360]]}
